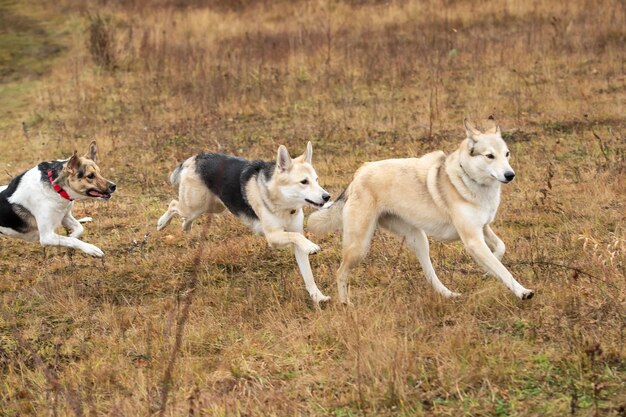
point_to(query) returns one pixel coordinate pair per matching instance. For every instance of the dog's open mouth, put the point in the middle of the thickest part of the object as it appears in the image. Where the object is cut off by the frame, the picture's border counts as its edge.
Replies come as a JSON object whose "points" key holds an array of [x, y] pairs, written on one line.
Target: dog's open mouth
{"points": [[97, 194], [504, 181], [313, 203]]}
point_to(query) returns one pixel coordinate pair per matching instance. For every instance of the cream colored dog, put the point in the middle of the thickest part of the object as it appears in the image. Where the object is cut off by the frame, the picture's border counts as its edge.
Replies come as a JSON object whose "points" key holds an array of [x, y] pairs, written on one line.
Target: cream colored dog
{"points": [[446, 197]]}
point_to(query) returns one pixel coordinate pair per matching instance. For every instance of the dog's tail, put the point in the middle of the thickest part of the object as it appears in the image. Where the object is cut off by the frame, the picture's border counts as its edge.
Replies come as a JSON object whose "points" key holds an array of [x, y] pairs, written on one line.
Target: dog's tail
{"points": [[329, 217], [175, 175]]}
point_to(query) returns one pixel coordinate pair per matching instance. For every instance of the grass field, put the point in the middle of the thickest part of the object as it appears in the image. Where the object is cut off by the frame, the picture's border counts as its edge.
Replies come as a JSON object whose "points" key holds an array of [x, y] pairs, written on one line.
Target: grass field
{"points": [[214, 322]]}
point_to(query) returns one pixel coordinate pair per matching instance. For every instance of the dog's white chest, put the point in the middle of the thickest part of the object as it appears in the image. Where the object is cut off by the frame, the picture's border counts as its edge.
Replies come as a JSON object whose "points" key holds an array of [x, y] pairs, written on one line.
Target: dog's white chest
{"points": [[485, 211]]}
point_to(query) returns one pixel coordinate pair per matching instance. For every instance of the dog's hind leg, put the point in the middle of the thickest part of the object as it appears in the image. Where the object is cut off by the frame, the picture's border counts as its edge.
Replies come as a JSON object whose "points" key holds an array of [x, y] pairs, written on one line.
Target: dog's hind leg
{"points": [[166, 218], [213, 205], [359, 223], [194, 202], [194, 199], [418, 242], [188, 221]]}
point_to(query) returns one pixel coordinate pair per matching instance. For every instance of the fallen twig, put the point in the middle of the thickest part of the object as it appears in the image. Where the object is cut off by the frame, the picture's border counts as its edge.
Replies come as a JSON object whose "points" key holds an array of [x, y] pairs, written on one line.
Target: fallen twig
{"points": [[559, 265]]}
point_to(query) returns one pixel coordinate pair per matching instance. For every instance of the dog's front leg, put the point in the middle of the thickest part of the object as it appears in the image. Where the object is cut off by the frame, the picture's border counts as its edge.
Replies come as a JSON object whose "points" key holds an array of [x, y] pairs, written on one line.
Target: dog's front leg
{"points": [[302, 259], [475, 243], [418, 241], [279, 238], [302, 248], [47, 237], [52, 239], [69, 222], [496, 245]]}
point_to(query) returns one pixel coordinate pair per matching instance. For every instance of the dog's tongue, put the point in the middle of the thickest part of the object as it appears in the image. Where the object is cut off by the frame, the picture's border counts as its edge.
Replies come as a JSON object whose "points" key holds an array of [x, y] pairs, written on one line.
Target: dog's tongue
{"points": [[95, 193]]}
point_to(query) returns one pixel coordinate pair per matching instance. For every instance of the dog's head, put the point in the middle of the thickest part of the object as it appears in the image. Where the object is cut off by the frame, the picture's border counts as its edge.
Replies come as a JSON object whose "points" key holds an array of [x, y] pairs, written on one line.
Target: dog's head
{"points": [[296, 180], [485, 156], [82, 178]]}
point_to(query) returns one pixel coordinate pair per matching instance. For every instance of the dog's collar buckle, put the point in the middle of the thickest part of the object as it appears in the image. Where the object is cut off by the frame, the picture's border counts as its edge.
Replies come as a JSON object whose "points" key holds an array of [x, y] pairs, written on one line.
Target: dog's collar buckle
{"points": [[58, 188]]}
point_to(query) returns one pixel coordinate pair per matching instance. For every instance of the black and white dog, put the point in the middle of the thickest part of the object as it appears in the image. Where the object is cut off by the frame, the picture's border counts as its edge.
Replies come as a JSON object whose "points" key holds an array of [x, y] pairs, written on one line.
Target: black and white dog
{"points": [[38, 201], [266, 196]]}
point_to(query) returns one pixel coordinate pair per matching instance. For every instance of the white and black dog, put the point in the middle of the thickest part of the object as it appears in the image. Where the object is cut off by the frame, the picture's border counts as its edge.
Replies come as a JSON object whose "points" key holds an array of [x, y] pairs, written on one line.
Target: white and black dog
{"points": [[266, 196], [38, 201]]}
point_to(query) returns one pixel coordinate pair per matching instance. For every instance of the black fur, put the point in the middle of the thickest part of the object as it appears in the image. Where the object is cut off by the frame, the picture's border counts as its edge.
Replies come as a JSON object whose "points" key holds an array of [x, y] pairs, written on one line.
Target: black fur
{"points": [[55, 166], [15, 216], [10, 213], [226, 176]]}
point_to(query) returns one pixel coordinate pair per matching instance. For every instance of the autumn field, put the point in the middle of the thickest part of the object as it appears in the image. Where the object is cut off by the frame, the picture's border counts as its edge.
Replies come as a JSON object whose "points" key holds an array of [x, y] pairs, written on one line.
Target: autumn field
{"points": [[214, 322]]}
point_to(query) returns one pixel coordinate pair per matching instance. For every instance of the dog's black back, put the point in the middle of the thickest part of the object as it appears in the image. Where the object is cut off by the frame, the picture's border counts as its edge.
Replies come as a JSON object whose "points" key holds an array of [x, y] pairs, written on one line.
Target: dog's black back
{"points": [[15, 216], [226, 176], [8, 216]]}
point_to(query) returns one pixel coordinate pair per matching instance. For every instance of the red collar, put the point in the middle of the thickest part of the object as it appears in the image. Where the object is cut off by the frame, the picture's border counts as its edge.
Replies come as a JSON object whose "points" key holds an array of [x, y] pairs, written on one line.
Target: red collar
{"points": [[58, 188]]}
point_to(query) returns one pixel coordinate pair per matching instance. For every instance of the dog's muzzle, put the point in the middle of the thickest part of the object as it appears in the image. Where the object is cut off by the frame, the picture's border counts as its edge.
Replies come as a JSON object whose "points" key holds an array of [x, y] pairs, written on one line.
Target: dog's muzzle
{"points": [[325, 197], [103, 195], [508, 176]]}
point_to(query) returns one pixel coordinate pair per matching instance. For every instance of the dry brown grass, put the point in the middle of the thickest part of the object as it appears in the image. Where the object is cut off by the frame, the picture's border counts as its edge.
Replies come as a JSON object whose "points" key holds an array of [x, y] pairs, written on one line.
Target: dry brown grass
{"points": [[363, 80]]}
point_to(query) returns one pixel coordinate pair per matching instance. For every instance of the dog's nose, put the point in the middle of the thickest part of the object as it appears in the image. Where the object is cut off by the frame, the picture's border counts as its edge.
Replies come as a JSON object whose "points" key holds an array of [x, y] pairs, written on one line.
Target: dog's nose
{"points": [[509, 176], [112, 187], [325, 196]]}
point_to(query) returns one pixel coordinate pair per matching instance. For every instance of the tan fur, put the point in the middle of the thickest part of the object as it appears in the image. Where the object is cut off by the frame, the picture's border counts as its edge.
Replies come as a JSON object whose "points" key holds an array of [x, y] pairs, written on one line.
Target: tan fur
{"points": [[276, 201], [446, 197], [326, 219], [81, 174]]}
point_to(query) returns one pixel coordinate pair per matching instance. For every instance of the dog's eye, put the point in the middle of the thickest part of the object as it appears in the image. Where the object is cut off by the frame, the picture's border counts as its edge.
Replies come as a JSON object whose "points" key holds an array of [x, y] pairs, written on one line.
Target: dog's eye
{"points": [[508, 153], [490, 156], [304, 182], [91, 176]]}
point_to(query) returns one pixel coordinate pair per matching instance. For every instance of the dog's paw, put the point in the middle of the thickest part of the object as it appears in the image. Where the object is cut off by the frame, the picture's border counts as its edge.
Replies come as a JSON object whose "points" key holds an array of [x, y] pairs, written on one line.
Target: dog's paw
{"points": [[92, 250], [85, 220], [347, 303], [310, 248], [161, 225], [452, 294], [318, 297], [526, 294]]}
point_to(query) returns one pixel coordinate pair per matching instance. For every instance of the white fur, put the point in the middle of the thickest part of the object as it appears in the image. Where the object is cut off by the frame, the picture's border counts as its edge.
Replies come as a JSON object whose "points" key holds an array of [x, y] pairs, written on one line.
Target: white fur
{"points": [[50, 211]]}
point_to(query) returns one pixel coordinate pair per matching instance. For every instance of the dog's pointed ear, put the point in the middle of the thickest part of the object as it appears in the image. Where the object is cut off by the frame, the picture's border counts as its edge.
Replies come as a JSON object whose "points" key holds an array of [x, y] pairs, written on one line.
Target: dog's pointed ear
{"points": [[494, 127], [73, 164], [308, 154], [92, 153], [283, 160], [470, 130]]}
